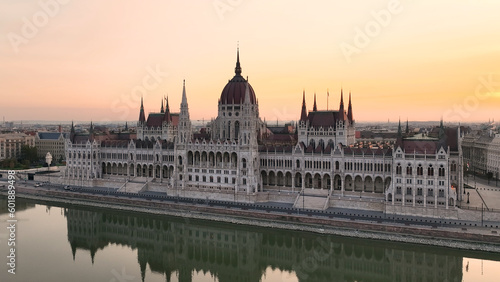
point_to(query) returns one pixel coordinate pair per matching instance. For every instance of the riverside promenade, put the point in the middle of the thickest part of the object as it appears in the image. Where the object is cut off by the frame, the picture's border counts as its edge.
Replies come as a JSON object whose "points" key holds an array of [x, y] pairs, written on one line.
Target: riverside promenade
{"points": [[446, 233], [481, 194]]}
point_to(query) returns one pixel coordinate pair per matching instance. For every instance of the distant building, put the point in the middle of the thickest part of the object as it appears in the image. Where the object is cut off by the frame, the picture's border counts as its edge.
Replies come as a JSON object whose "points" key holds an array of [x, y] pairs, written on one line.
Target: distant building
{"points": [[482, 152], [10, 144], [52, 142]]}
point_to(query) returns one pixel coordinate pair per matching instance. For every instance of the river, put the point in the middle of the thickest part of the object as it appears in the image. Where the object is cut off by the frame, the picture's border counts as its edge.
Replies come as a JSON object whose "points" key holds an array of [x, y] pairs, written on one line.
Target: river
{"points": [[76, 243]]}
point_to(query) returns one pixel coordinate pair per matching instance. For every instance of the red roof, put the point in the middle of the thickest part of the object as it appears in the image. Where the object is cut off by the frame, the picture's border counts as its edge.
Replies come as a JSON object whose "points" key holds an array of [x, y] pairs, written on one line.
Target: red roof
{"points": [[155, 120], [325, 119], [234, 91]]}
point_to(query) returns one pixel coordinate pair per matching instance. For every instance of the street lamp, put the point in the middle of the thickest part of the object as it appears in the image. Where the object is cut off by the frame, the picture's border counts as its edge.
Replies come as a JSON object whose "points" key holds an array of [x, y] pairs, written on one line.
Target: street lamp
{"points": [[468, 194]]}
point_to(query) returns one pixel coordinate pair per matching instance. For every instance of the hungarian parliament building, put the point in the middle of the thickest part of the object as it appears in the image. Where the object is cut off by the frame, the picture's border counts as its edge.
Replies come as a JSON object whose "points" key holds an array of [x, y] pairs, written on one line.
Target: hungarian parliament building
{"points": [[314, 163]]}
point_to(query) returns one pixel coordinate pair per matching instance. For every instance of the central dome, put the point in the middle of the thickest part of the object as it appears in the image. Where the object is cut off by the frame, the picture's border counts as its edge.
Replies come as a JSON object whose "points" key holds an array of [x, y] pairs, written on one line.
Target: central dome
{"points": [[234, 91]]}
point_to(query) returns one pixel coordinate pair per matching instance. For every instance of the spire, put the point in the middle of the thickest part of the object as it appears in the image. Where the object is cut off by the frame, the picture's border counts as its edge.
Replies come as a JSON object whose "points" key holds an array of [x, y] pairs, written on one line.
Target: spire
{"points": [[314, 106], [407, 131], [341, 107], [92, 254], [237, 70], [126, 126], [166, 116], [184, 98], [441, 130], [91, 131], [399, 138], [142, 117], [303, 113], [73, 250], [349, 110], [72, 132], [142, 265], [162, 111], [400, 134]]}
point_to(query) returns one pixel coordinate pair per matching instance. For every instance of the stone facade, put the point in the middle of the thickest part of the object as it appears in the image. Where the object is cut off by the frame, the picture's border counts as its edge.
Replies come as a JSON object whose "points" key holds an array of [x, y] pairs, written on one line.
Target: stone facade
{"points": [[52, 142], [482, 153], [238, 156], [10, 144]]}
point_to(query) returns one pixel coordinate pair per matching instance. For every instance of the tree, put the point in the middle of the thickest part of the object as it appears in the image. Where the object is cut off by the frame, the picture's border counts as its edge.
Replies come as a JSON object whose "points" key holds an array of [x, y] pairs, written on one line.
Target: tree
{"points": [[28, 153]]}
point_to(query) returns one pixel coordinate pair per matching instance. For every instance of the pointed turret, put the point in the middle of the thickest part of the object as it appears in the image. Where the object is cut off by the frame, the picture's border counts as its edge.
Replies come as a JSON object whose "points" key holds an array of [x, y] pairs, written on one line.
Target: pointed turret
{"points": [[184, 98], [162, 110], [303, 113], [72, 132], [73, 250], [166, 116], [400, 133], [315, 108], [399, 138], [126, 126], [237, 69], [92, 254], [441, 130], [407, 130], [142, 265], [184, 127], [142, 117], [91, 132], [349, 110], [341, 107]]}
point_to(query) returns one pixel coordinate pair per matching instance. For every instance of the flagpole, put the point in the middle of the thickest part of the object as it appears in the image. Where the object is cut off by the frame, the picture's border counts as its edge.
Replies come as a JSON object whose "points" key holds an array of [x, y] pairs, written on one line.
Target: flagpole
{"points": [[327, 97]]}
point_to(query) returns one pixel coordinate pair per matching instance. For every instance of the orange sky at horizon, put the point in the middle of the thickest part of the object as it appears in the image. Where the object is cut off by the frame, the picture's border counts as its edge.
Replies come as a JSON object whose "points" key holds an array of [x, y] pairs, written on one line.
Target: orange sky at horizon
{"points": [[86, 60]]}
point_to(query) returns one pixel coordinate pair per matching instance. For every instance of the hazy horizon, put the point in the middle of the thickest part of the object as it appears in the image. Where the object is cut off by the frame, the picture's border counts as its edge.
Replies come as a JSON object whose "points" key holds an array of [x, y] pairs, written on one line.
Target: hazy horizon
{"points": [[92, 60]]}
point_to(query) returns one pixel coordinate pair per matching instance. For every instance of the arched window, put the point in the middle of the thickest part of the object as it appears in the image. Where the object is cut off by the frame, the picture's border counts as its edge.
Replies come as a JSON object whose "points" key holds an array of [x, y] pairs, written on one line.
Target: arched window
{"points": [[312, 143], [453, 167], [409, 169], [441, 171], [430, 171], [321, 143], [236, 130], [399, 169], [420, 170]]}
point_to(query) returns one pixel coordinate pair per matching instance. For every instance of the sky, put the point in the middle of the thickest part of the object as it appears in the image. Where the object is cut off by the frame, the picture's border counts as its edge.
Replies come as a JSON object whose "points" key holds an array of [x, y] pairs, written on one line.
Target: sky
{"points": [[93, 60]]}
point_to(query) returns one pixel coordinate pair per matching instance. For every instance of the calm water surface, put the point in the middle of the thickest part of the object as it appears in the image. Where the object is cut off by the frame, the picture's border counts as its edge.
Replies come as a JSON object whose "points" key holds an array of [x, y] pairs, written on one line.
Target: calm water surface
{"points": [[74, 244]]}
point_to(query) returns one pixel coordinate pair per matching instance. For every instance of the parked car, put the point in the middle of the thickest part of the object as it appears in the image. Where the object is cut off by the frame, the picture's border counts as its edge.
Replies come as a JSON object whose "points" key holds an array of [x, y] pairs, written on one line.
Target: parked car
{"points": [[67, 187]]}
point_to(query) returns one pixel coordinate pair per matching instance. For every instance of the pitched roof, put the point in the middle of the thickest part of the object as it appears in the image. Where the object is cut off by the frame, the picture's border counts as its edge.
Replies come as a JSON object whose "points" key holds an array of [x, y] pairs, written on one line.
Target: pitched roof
{"points": [[155, 120], [325, 119]]}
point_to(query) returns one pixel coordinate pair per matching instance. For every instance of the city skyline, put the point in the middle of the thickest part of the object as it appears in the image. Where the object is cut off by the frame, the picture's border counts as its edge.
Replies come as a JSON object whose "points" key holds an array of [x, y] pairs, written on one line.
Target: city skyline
{"points": [[67, 60]]}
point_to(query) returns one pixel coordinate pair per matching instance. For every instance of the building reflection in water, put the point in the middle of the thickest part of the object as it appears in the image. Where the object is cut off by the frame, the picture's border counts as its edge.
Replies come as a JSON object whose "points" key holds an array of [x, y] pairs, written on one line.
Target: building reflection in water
{"points": [[19, 205], [238, 253]]}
